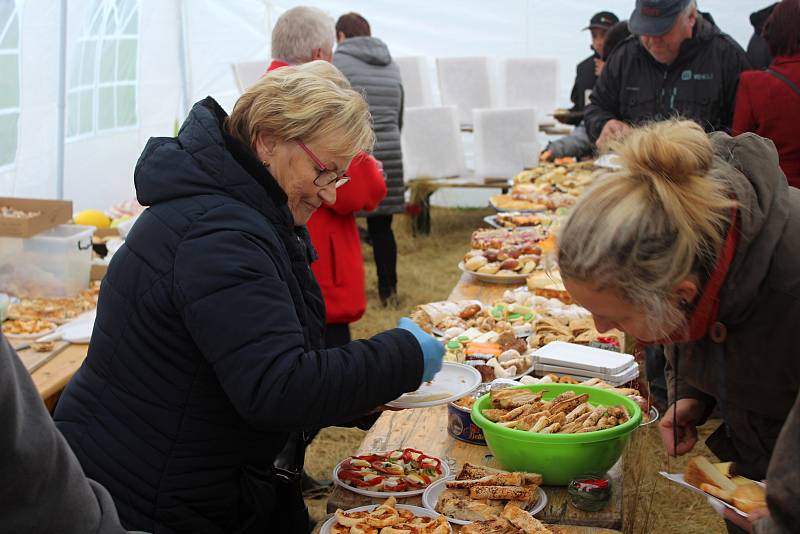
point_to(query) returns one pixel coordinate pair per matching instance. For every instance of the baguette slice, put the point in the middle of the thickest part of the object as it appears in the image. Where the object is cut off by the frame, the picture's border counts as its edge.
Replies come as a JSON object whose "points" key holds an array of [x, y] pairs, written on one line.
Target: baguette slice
{"points": [[699, 471], [500, 479], [749, 497], [516, 493], [523, 520]]}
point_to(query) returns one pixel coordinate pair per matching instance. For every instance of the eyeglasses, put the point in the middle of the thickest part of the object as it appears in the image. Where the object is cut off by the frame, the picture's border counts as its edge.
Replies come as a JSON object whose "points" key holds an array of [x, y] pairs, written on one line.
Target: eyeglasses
{"points": [[325, 177]]}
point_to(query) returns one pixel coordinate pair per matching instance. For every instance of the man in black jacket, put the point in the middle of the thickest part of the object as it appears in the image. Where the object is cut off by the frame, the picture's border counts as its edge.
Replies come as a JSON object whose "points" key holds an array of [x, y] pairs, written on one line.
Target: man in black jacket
{"points": [[675, 64], [586, 72]]}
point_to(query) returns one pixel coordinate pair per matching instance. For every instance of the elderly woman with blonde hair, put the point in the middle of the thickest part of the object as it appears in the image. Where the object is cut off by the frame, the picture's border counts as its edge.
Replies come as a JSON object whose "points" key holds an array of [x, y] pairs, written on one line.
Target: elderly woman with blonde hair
{"points": [[206, 352], [694, 244]]}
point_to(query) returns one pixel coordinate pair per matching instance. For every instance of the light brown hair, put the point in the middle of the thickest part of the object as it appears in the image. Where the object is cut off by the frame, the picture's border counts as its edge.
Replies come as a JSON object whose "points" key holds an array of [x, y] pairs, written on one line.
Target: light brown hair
{"points": [[643, 229], [307, 103]]}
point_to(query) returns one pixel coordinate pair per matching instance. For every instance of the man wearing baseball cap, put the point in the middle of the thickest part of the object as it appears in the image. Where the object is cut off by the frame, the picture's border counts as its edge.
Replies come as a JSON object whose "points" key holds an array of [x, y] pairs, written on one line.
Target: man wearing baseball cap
{"points": [[680, 65], [587, 70]]}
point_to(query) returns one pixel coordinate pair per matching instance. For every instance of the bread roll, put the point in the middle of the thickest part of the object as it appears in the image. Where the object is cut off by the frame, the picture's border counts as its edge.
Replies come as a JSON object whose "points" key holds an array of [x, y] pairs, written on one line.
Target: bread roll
{"points": [[700, 471], [749, 497]]}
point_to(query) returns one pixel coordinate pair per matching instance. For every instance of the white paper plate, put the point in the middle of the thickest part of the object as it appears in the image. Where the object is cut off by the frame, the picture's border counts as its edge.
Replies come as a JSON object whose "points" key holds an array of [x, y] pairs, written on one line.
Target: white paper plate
{"points": [[495, 278], [418, 511], [368, 493], [678, 479], [431, 495], [456, 379]]}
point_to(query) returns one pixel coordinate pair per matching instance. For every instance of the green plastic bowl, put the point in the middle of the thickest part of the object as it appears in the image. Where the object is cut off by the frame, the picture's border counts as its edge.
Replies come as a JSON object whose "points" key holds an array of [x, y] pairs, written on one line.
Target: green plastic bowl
{"points": [[559, 457]]}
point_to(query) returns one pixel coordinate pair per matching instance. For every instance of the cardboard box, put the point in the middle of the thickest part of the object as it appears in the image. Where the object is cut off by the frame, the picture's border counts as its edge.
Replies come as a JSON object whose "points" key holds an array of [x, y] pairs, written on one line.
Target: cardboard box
{"points": [[52, 213]]}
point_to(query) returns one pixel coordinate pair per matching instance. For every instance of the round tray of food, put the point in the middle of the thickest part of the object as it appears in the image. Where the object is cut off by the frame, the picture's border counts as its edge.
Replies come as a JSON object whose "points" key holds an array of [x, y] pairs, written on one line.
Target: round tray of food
{"points": [[479, 493], [28, 329], [505, 272], [398, 473], [388, 517]]}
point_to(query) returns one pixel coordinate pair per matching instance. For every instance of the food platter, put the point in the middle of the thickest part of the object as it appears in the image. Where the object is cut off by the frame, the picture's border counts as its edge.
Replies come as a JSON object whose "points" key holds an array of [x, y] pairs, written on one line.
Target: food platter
{"points": [[518, 278], [327, 527], [371, 493], [454, 381], [432, 493]]}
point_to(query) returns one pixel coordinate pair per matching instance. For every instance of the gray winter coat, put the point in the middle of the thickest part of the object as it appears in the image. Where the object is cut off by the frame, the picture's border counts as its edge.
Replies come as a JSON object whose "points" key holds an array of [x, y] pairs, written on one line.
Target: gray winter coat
{"points": [[752, 370], [367, 63], [44, 488]]}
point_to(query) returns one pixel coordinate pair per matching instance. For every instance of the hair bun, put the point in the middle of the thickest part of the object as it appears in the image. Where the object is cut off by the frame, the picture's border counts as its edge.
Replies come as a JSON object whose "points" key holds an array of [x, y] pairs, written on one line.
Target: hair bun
{"points": [[674, 151]]}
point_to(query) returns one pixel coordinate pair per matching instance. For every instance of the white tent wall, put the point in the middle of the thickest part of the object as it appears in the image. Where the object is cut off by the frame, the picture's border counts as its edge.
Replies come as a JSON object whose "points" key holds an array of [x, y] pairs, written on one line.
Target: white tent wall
{"points": [[33, 172], [219, 34], [99, 167]]}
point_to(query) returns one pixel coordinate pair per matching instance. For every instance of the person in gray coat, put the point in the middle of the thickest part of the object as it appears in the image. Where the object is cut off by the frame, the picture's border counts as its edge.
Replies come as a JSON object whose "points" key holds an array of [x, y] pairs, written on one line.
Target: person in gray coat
{"points": [[44, 488], [368, 66]]}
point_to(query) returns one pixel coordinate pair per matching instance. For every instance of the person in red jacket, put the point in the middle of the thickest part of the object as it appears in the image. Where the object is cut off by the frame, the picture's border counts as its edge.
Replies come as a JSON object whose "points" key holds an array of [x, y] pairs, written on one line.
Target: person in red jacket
{"points": [[334, 233], [768, 102]]}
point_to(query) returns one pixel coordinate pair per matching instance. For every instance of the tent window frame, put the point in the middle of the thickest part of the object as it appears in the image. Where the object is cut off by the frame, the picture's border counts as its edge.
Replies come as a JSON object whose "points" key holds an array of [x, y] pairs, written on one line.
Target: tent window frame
{"points": [[5, 27], [107, 26]]}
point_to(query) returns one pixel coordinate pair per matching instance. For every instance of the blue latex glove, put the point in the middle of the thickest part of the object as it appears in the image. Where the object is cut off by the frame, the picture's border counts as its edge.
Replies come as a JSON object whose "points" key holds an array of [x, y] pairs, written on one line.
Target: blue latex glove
{"points": [[432, 350]]}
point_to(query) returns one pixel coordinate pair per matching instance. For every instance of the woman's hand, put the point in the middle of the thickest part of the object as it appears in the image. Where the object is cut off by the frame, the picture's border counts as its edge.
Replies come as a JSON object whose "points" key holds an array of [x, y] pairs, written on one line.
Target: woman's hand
{"points": [[612, 131], [745, 523], [688, 413], [432, 349]]}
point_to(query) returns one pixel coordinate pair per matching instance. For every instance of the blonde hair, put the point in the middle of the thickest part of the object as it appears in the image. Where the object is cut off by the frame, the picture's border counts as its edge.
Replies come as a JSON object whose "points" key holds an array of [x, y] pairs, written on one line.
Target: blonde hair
{"points": [[645, 228], [308, 103], [299, 31]]}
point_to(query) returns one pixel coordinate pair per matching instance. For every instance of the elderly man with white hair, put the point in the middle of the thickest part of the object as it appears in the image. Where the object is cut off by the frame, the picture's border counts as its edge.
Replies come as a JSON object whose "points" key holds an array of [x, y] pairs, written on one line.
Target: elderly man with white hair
{"points": [[302, 34], [676, 64]]}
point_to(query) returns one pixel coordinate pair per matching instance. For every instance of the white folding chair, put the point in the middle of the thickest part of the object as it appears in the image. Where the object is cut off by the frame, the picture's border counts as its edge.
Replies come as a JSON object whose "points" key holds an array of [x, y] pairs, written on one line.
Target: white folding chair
{"points": [[505, 141], [247, 73], [464, 82], [431, 142], [531, 83], [417, 83]]}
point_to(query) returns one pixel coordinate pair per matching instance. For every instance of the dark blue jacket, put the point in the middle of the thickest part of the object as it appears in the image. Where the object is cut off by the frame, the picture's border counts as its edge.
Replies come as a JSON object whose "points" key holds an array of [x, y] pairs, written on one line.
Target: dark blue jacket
{"points": [[206, 350]]}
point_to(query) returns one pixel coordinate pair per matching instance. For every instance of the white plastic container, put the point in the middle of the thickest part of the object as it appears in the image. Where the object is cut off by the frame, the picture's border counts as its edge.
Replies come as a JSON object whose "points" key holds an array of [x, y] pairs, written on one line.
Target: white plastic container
{"points": [[590, 359], [54, 263]]}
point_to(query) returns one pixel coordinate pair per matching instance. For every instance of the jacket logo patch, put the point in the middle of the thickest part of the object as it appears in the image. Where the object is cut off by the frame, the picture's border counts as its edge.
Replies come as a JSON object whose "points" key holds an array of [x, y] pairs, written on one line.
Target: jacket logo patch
{"points": [[704, 76], [686, 75]]}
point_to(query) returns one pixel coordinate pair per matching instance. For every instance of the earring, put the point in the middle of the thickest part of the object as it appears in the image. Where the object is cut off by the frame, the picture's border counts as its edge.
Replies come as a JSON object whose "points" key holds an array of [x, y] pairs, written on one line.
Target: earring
{"points": [[684, 304], [265, 164]]}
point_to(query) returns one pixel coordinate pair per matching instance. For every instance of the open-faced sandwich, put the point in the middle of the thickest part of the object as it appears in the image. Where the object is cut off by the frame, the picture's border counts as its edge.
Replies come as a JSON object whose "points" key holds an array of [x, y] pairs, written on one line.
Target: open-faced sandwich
{"points": [[395, 471], [512, 520]]}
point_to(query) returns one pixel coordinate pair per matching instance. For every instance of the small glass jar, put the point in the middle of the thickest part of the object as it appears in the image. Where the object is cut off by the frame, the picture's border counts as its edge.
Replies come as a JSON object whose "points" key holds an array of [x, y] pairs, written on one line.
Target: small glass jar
{"points": [[590, 492]]}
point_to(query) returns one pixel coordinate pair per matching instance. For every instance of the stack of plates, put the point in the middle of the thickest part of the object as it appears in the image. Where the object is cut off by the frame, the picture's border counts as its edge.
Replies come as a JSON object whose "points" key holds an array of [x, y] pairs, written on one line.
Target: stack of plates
{"points": [[582, 362]]}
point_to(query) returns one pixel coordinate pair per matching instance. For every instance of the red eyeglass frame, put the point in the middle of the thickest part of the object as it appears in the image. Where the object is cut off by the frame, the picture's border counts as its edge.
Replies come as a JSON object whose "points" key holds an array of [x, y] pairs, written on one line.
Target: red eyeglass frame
{"points": [[338, 181]]}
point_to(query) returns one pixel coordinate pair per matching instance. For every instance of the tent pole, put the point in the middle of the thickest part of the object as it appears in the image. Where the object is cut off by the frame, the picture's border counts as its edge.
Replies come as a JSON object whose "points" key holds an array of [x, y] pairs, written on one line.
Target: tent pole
{"points": [[62, 95], [183, 60]]}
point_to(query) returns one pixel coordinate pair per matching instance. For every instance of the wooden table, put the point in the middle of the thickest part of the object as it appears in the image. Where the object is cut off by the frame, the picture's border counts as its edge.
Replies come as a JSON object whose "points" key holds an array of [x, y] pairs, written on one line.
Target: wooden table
{"points": [[51, 378], [426, 429]]}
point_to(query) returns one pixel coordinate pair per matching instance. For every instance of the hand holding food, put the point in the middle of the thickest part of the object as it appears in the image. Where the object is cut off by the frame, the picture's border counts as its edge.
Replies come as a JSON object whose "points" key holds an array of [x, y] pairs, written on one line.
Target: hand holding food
{"points": [[432, 350]]}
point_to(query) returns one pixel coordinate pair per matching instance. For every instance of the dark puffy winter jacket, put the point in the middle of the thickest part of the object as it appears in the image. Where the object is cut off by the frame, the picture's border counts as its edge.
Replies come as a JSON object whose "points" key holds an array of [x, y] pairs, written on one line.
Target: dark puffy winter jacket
{"points": [[368, 65], [699, 85], [205, 353], [585, 79], [757, 48]]}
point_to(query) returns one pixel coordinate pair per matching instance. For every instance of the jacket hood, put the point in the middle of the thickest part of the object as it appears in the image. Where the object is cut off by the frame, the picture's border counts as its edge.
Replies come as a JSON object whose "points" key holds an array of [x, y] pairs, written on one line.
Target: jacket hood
{"points": [[204, 160], [758, 18], [367, 49], [749, 163]]}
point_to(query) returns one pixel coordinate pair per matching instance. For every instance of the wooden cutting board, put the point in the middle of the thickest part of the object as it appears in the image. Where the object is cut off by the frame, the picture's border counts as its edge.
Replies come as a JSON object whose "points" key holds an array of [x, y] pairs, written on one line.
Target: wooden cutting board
{"points": [[33, 360]]}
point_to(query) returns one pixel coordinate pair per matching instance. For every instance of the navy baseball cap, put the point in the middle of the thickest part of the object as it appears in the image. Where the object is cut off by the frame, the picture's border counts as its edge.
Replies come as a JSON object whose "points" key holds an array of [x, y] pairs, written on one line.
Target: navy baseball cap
{"points": [[603, 20], [655, 17]]}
